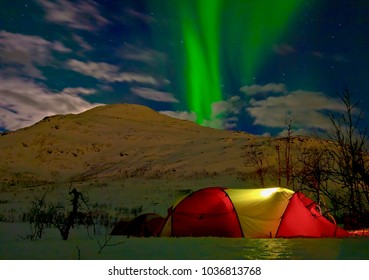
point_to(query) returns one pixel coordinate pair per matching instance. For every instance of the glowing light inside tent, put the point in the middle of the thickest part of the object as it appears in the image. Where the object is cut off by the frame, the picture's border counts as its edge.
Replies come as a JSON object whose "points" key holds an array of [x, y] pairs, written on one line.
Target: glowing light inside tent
{"points": [[268, 192]]}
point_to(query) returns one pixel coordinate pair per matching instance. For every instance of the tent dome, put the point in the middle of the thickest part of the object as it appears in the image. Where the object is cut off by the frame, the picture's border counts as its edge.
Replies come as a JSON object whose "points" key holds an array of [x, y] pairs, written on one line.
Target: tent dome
{"points": [[252, 213]]}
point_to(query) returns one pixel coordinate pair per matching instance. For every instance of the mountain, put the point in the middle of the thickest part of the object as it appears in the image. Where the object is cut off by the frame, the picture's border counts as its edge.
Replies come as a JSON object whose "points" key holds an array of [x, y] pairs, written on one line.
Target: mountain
{"points": [[118, 141]]}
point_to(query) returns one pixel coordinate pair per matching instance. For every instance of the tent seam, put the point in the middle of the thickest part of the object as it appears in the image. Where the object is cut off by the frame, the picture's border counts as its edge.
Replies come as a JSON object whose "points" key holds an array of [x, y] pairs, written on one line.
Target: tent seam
{"points": [[276, 233], [234, 209]]}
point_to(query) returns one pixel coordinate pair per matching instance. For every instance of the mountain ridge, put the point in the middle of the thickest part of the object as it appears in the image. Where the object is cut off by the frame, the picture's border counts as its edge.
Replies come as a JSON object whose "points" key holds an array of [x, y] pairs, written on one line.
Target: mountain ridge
{"points": [[116, 141]]}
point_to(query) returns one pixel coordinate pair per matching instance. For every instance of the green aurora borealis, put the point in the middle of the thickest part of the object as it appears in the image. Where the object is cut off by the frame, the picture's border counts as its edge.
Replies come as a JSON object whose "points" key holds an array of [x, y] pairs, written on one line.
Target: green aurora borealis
{"points": [[217, 32], [227, 64], [200, 27]]}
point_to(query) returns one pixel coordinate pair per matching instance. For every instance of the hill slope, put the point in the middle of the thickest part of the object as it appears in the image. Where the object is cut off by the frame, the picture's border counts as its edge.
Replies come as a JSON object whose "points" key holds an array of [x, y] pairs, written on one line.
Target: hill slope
{"points": [[117, 141]]}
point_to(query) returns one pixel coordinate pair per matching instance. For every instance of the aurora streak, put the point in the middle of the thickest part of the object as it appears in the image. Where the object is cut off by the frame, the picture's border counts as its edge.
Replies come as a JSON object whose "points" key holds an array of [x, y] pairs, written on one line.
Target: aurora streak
{"points": [[218, 32]]}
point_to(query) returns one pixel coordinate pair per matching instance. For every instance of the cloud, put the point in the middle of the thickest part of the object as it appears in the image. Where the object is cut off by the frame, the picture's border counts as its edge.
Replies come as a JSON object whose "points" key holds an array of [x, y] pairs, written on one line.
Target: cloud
{"points": [[284, 49], [154, 95], [224, 122], [339, 58], [82, 43], [144, 55], [22, 53], [141, 16], [221, 123], [268, 88], [182, 115], [334, 58], [108, 72], [317, 54], [305, 107], [294, 131], [106, 88], [78, 90], [225, 113], [82, 15], [230, 106], [24, 102]]}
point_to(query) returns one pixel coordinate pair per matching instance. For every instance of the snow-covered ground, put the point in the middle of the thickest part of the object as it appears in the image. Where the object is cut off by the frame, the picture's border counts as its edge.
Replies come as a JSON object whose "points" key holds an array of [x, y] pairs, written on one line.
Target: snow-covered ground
{"points": [[154, 196], [81, 246]]}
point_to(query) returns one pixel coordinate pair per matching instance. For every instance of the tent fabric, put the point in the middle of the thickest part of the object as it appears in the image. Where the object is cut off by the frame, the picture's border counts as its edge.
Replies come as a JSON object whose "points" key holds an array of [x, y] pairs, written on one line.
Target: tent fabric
{"points": [[259, 210], [251, 213], [145, 225], [213, 213], [302, 217]]}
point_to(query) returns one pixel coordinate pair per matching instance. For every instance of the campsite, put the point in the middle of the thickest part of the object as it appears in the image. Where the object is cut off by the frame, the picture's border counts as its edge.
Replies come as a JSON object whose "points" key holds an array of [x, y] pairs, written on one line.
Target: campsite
{"points": [[152, 175], [184, 129], [82, 245]]}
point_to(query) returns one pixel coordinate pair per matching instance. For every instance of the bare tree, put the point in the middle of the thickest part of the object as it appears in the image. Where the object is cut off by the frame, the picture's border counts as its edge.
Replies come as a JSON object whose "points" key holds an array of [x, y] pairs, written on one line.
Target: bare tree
{"points": [[44, 214], [107, 238], [256, 157], [313, 176], [64, 222], [38, 218], [284, 145], [287, 152], [347, 149], [279, 172]]}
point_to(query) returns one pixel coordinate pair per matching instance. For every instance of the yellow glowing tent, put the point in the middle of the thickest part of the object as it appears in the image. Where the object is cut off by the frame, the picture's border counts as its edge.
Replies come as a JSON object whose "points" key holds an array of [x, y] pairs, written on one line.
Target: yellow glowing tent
{"points": [[261, 213]]}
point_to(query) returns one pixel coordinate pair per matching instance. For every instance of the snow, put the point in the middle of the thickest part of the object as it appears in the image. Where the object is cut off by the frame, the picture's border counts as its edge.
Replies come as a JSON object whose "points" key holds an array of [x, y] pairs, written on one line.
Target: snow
{"points": [[81, 246]]}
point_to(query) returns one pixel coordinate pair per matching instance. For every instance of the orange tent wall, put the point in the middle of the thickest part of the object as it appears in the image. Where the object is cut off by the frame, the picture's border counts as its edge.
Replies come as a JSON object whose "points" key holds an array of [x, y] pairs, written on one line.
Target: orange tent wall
{"points": [[207, 212], [301, 219]]}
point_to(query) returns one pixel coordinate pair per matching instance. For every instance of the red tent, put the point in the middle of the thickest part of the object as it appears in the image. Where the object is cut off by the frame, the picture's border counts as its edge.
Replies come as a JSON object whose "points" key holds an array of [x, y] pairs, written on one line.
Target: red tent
{"points": [[268, 212], [145, 225]]}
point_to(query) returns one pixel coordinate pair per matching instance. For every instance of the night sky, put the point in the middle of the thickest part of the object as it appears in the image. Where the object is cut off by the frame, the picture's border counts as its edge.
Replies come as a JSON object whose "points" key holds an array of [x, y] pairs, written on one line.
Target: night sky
{"points": [[231, 64]]}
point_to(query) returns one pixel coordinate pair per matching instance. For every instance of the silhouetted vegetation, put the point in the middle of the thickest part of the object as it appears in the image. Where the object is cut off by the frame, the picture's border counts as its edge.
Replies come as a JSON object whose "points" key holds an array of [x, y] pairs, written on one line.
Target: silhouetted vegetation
{"points": [[256, 158], [347, 151], [78, 211], [338, 170], [43, 215]]}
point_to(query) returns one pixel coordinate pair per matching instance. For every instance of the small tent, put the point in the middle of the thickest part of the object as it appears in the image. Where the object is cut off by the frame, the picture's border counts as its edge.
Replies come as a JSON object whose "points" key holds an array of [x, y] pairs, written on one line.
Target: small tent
{"points": [[253, 213], [145, 225]]}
